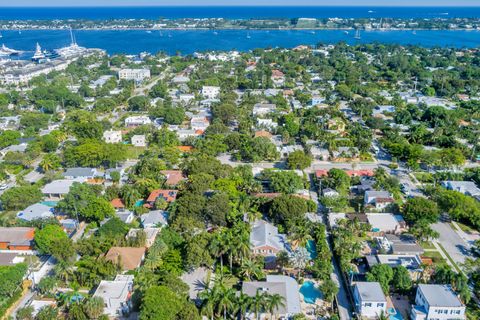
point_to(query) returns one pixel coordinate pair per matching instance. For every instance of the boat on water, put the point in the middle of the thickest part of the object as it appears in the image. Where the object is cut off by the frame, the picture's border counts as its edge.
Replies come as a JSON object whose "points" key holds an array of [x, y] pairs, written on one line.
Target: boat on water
{"points": [[5, 51], [414, 32], [148, 31], [345, 32], [248, 36], [357, 35]]}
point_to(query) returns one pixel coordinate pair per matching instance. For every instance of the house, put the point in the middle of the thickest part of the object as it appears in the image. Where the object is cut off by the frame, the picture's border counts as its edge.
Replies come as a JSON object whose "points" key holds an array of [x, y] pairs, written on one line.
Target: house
{"points": [[370, 301], [150, 235], [285, 286], [210, 92], [167, 195], [329, 192], [57, 189], [128, 258], [35, 211], [316, 100], [16, 238], [278, 77], [10, 258], [117, 203], [411, 262], [126, 216], [137, 75], [135, 121], [80, 173], [385, 222], [379, 199], [403, 244], [266, 241], [261, 109], [346, 153], [116, 295], [154, 219], [139, 140], [437, 302], [174, 177], [112, 136], [468, 188], [199, 123]]}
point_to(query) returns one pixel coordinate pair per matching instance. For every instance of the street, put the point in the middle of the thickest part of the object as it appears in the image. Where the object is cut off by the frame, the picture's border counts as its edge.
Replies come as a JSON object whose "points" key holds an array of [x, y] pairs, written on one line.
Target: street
{"points": [[456, 247]]}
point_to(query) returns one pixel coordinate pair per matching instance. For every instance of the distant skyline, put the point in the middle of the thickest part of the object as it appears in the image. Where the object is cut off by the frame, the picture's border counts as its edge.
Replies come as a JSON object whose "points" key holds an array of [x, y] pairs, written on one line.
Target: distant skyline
{"points": [[113, 3]]}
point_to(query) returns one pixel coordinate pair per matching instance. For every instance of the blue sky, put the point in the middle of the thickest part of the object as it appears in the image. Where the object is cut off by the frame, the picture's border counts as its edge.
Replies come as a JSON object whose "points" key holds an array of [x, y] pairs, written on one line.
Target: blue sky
{"points": [[37, 3]]}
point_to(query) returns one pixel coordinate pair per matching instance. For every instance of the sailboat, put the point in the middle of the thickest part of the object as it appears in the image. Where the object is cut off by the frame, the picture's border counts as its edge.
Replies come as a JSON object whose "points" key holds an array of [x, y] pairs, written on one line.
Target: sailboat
{"points": [[357, 34], [1, 35], [248, 36]]}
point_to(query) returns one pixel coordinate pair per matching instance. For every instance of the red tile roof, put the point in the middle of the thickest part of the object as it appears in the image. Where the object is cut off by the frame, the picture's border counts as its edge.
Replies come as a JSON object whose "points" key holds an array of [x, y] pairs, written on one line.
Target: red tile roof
{"points": [[168, 195], [173, 176], [117, 203]]}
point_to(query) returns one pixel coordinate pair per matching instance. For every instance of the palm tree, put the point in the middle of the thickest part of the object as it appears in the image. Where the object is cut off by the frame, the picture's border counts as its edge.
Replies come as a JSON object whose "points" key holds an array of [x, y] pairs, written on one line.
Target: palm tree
{"points": [[226, 300], [243, 303], [274, 302], [251, 268], [93, 307], [300, 234], [218, 247], [258, 303]]}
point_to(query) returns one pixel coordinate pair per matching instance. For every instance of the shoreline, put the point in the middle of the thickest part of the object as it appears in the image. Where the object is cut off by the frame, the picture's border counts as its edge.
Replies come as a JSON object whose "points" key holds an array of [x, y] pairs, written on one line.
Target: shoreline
{"points": [[239, 29]]}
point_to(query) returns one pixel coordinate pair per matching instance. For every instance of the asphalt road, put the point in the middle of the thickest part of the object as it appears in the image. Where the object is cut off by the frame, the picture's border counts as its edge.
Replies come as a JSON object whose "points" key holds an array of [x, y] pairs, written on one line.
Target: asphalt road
{"points": [[455, 246]]}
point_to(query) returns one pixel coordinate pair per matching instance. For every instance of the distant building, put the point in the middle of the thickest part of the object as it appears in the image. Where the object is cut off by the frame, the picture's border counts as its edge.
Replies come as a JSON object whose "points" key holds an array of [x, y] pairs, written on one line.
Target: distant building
{"points": [[150, 235], [138, 75], [173, 177], [116, 295], [437, 302], [57, 189], [385, 222], [261, 109], [135, 121], [81, 173], [139, 140], [370, 301], [154, 219], [210, 92], [112, 136], [468, 188], [128, 258], [167, 195]]}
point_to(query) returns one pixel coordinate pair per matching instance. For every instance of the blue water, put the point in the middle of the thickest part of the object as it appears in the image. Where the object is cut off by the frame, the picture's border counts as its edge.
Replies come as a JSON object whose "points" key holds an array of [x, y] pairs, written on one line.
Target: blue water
{"points": [[139, 203], [50, 203], [394, 315], [312, 249], [187, 42], [233, 12], [310, 292]]}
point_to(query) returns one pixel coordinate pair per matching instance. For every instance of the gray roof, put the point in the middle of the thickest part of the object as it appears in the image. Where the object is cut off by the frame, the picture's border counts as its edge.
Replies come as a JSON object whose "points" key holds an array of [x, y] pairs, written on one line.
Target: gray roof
{"points": [[465, 187], [266, 234], [80, 172], [35, 211], [10, 258], [155, 217], [378, 194], [439, 295], [285, 286], [124, 215], [370, 291], [58, 186]]}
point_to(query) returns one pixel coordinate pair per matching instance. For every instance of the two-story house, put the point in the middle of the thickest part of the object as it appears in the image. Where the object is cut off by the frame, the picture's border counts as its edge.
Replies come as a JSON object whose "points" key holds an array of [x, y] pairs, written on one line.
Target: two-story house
{"points": [[370, 301], [437, 302]]}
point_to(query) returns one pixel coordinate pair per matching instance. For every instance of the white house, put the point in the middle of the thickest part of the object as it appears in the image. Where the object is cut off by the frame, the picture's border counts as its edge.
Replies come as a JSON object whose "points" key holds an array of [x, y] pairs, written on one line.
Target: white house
{"points": [[137, 75], [468, 188], [116, 295], [378, 199], [261, 109], [370, 301], [35, 211], [139, 140], [437, 302], [385, 222], [135, 121], [266, 241], [210, 92], [112, 136]]}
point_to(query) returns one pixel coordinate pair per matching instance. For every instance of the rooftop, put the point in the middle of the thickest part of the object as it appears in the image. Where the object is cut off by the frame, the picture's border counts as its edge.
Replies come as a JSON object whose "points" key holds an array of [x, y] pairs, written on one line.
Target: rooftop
{"points": [[370, 291], [439, 295]]}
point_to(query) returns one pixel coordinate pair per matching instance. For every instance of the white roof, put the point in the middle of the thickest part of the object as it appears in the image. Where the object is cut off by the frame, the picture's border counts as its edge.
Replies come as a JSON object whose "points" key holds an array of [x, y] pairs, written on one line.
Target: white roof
{"points": [[35, 211], [383, 221], [370, 291], [266, 234], [59, 186]]}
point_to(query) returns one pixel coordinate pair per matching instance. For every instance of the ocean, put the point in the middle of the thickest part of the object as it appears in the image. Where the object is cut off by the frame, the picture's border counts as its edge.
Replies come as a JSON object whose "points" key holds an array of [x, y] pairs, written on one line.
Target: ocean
{"points": [[234, 12], [189, 41]]}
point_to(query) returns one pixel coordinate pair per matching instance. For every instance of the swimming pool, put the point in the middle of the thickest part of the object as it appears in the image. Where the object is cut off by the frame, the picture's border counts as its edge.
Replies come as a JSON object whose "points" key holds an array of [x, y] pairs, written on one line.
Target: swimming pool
{"points": [[50, 203], [312, 249], [394, 315], [139, 203], [310, 292]]}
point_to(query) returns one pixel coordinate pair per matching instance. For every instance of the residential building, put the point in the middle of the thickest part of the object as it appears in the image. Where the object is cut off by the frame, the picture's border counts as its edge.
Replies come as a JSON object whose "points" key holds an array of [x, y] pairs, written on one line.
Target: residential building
{"points": [[284, 286], [139, 140], [128, 258], [266, 241], [112, 136], [167, 195], [80, 173], [116, 295], [385, 222], [261, 109], [437, 302], [125, 216], [35, 211], [154, 219], [379, 199], [135, 121], [468, 188], [370, 301], [10, 258], [57, 189], [150, 235], [210, 92], [137, 75], [173, 177], [16, 238]]}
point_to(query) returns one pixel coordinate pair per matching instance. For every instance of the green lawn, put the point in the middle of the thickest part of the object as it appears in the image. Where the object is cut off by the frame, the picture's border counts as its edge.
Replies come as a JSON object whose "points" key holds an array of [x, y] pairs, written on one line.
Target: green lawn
{"points": [[449, 258], [424, 177], [435, 256], [134, 152], [427, 245]]}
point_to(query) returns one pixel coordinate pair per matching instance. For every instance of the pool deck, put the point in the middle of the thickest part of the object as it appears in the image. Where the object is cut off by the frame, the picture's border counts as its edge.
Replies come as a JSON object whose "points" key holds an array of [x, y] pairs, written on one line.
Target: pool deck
{"points": [[308, 309]]}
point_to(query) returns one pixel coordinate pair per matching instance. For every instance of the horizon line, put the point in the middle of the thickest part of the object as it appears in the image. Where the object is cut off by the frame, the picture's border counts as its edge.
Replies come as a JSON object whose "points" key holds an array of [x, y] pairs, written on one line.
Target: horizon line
{"points": [[238, 5]]}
